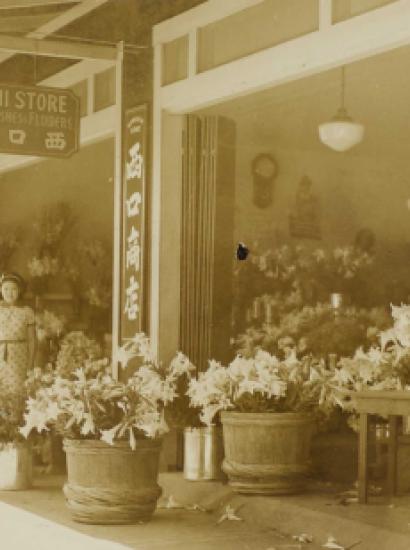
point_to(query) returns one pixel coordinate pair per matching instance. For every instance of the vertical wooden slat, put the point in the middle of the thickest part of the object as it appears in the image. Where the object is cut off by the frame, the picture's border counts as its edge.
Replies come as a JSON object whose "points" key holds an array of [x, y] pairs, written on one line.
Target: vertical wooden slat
{"points": [[199, 242], [202, 252], [363, 471], [211, 239], [392, 455]]}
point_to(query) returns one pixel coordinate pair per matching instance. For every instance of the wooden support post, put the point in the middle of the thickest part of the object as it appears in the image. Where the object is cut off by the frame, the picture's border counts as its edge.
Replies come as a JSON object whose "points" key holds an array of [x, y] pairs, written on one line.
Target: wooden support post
{"points": [[118, 169], [363, 452]]}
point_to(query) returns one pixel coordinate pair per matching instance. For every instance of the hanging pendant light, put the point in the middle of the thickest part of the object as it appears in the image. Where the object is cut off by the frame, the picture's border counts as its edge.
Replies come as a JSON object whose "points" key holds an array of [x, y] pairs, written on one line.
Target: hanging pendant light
{"points": [[341, 133]]}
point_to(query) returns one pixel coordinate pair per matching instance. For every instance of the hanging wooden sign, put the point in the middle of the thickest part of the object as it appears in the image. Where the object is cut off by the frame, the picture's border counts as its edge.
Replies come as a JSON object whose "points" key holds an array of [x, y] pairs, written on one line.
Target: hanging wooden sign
{"points": [[39, 121], [133, 196]]}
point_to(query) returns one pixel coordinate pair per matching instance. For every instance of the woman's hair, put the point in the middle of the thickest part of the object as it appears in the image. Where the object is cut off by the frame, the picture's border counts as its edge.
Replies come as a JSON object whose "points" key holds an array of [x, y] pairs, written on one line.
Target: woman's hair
{"points": [[15, 278]]}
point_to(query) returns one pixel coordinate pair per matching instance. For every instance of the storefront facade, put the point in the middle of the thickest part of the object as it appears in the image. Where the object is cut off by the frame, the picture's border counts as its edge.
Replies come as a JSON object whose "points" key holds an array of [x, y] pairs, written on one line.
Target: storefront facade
{"points": [[197, 72], [62, 189], [191, 69], [112, 76]]}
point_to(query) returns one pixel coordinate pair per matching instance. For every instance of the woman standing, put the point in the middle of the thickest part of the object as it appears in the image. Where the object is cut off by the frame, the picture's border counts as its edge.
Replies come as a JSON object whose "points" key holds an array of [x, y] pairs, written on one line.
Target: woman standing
{"points": [[17, 337]]}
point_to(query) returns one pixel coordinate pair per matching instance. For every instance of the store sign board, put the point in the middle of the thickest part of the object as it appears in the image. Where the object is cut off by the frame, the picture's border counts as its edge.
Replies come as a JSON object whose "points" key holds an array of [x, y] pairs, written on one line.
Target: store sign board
{"points": [[133, 209], [38, 121]]}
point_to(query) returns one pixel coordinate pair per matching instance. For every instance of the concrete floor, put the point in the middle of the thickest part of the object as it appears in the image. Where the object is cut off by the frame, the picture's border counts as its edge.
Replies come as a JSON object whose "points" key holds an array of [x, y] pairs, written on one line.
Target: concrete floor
{"points": [[38, 520]]}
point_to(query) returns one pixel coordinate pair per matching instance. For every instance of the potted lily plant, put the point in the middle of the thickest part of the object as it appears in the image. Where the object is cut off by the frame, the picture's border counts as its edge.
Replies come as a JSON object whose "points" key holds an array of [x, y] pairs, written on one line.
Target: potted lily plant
{"points": [[266, 406], [112, 432], [385, 366]]}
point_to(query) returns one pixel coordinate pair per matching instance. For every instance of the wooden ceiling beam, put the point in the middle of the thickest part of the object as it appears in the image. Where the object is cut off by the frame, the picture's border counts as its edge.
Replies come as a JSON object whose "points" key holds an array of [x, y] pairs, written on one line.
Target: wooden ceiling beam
{"points": [[22, 24], [17, 4], [70, 15], [53, 48]]}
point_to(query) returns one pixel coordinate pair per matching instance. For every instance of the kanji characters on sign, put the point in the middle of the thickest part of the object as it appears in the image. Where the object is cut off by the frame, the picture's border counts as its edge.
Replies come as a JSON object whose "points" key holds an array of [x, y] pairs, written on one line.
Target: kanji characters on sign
{"points": [[133, 212]]}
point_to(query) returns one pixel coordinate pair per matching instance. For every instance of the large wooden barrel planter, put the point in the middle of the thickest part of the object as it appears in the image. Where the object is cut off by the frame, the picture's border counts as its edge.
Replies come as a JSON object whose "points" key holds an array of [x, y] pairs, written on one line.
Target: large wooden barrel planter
{"points": [[267, 453], [16, 466], [112, 484]]}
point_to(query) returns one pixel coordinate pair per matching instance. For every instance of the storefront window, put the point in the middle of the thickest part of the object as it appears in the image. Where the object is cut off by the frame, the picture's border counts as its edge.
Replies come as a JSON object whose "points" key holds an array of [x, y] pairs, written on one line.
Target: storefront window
{"points": [[293, 245], [345, 9], [104, 89], [175, 60], [254, 29]]}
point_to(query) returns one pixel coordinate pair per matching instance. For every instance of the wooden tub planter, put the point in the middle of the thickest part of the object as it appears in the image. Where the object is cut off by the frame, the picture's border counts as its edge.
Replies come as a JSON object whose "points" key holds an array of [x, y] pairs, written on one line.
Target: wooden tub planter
{"points": [[112, 484], [267, 453], [16, 466]]}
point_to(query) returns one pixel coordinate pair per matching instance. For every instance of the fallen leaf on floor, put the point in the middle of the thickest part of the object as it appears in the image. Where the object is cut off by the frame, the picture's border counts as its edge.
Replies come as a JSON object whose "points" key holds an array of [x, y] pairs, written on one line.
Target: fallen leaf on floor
{"points": [[333, 544], [351, 493], [303, 537], [229, 514], [348, 500], [170, 503]]}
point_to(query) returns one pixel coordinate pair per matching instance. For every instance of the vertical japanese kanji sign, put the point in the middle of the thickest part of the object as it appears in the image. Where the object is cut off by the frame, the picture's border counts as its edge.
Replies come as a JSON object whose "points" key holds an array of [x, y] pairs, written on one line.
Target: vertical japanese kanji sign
{"points": [[135, 123]]}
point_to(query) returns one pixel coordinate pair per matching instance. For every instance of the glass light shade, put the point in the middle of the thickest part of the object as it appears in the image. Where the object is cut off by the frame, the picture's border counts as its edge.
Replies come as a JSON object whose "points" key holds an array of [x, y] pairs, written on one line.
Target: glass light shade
{"points": [[341, 133]]}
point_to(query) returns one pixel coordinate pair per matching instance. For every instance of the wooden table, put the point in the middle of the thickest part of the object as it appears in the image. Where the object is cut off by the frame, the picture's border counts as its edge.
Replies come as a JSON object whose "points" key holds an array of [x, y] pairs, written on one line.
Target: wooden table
{"points": [[384, 403]]}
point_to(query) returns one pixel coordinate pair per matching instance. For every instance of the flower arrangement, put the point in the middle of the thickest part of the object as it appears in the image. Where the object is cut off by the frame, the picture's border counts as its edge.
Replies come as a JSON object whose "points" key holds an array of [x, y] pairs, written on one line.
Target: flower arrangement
{"points": [[295, 277], [41, 270], [315, 330], [92, 284], [91, 404], [51, 227], [11, 418], [340, 269], [49, 325], [261, 383], [38, 378], [385, 366], [77, 351], [97, 273], [8, 244]]}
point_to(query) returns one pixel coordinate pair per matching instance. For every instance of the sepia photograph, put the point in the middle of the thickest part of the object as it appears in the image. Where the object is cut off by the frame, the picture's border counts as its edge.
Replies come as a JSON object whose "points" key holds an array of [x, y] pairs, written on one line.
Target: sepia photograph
{"points": [[204, 274]]}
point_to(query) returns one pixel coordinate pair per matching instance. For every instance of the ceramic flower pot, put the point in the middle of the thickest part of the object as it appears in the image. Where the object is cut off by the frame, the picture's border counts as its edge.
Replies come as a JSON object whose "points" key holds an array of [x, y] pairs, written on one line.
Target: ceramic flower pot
{"points": [[112, 484], [16, 468], [267, 453], [203, 453]]}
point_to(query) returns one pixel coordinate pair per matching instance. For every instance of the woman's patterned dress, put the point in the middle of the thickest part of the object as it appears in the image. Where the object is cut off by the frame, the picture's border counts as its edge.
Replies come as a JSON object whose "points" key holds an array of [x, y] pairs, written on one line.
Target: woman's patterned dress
{"points": [[14, 323]]}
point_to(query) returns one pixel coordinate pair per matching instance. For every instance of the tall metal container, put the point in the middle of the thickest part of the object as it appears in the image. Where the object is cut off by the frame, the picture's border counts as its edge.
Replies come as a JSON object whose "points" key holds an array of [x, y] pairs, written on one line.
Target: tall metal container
{"points": [[16, 468], [203, 453]]}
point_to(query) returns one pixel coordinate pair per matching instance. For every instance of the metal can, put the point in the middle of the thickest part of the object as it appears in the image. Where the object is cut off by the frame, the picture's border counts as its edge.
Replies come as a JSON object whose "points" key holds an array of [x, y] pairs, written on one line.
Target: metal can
{"points": [[203, 453]]}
